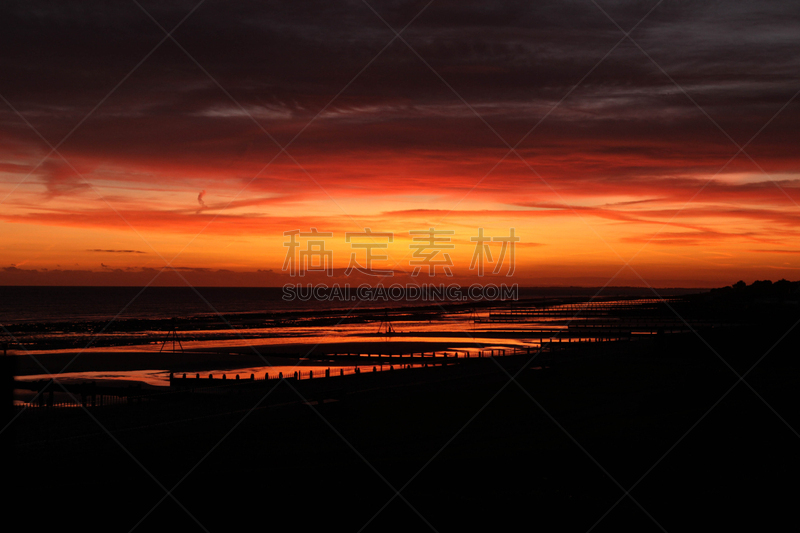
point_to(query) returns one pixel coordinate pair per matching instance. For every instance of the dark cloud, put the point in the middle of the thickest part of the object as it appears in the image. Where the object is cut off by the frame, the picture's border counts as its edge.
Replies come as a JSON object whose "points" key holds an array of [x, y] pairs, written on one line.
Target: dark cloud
{"points": [[200, 201], [117, 251], [13, 269], [285, 61]]}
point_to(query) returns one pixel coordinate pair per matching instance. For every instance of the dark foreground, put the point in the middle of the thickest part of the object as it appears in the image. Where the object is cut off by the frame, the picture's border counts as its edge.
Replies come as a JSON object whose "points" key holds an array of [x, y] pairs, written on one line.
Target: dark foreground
{"points": [[556, 450]]}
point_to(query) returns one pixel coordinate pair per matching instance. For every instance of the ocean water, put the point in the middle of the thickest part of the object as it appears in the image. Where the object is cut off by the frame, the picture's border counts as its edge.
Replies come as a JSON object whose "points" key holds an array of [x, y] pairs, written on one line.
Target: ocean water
{"points": [[58, 304], [70, 304]]}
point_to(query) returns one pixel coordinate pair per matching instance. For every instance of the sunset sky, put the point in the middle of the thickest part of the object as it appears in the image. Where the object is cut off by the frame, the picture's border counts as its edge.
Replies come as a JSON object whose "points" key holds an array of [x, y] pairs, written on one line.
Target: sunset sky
{"points": [[676, 149]]}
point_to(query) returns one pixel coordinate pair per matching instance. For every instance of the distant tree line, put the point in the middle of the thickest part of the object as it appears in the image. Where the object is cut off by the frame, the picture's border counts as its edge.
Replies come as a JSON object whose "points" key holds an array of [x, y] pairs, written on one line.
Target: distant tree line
{"points": [[781, 290]]}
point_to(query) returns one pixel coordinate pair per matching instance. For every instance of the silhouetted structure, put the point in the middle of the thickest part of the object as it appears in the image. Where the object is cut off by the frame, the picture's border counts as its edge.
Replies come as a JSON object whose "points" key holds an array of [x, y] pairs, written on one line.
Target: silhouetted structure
{"points": [[385, 327], [173, 336]]}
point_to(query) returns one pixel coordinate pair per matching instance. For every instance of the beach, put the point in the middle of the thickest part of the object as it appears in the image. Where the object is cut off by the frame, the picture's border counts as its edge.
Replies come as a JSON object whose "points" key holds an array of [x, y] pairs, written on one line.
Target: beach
{"points": [[342, 458], [498, 432]]}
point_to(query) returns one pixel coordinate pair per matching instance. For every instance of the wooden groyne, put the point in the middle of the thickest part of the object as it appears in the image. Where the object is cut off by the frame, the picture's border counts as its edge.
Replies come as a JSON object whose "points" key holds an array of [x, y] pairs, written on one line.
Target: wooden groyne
{"points": [[87, 394]]}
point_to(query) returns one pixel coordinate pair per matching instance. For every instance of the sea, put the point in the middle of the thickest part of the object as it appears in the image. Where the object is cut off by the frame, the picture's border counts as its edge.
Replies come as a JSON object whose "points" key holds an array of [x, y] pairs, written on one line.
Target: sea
{"points": [[21, 304]]}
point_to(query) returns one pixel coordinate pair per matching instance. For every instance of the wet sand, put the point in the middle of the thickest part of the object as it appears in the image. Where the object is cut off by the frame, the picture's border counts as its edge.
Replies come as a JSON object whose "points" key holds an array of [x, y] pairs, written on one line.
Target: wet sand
{"points": [[131, 361], [230, 357]]}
